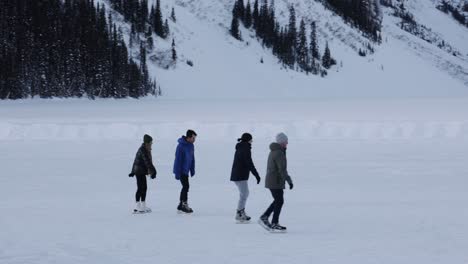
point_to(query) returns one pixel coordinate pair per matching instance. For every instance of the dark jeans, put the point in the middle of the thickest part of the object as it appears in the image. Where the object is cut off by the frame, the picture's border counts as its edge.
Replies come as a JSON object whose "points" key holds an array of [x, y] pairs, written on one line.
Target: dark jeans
{"points": [[275, 207], [141, 188], [184, 180]]}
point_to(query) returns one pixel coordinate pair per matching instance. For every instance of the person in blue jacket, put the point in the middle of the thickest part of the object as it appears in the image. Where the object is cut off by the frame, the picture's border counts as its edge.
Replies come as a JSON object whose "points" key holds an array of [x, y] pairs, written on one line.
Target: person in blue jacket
{"points": [[184, 164]]}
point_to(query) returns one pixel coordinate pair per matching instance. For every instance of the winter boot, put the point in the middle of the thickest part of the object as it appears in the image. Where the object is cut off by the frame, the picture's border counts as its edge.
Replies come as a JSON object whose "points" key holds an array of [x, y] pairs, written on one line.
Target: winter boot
{"points": [[138, 209], [144, 208], [278, 228], [184, 208], [263, 221], [241, 216]]}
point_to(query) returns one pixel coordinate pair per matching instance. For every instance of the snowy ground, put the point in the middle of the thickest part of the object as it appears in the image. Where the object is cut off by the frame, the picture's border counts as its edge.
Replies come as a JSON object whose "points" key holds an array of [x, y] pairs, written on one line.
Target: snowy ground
{"points": [[375, 182]]}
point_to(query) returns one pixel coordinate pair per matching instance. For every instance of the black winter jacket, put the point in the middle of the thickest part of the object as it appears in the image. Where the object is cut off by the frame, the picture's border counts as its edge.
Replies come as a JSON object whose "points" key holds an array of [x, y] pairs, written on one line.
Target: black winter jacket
{"points": [[243, 163], [143, 164]]}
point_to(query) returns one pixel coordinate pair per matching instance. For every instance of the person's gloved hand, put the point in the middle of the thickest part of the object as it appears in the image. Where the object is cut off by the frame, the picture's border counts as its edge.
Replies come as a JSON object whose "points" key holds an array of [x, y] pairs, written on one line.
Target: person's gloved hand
{"points": [[291, 185], [131, 174], [153, 174], [258, 179]]}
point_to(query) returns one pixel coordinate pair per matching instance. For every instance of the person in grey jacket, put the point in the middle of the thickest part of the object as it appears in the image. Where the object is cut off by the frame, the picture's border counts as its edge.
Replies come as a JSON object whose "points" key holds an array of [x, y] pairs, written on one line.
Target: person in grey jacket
{"points": [[276, 178]]}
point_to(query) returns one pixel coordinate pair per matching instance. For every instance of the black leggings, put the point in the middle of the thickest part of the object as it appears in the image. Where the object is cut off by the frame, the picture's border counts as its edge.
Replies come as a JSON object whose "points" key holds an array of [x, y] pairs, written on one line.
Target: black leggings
{"points": [[141, 188], [184, 180], [275, 207]]}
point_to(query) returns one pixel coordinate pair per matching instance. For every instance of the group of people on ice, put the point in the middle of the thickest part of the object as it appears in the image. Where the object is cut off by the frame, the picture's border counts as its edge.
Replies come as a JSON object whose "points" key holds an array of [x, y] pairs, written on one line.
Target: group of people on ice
{"points": [[184, 166]]}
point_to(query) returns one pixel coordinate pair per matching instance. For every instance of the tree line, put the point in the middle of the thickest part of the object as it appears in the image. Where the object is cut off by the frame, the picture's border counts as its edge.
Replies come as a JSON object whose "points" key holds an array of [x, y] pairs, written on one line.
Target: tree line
{"points": [[296, 48], [363, 14], [458, 15], [144, 20], [66, 48]]}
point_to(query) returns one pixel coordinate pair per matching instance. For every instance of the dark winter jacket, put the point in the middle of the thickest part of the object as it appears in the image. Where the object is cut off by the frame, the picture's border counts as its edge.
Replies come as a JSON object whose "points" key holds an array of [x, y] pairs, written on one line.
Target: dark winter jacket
{"points": [[277, 173], [184, 159], [143, 164], [243, 163]]}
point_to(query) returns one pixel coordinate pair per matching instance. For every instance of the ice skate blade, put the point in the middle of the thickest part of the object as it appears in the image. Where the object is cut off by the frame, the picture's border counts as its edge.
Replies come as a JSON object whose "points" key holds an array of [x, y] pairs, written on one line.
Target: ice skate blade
{"points": [[183, 213]]}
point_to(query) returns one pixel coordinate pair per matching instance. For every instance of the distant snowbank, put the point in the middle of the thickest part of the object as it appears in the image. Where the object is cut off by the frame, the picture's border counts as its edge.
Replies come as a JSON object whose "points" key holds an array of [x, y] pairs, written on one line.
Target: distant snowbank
{"points": [[297, 130], [227, 120]]}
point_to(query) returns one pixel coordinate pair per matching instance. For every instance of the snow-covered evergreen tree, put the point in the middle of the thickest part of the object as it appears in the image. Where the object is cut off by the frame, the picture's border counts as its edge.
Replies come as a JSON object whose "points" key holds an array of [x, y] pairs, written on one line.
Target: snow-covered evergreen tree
{"points": [[302, 51], [174, 52], [173, 15]]}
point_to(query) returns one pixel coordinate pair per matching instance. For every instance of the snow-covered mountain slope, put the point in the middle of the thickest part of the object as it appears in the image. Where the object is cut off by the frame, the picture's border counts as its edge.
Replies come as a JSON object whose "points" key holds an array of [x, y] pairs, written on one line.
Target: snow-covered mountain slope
{"points": [[404, 65], [444, 29], [427, 14]]}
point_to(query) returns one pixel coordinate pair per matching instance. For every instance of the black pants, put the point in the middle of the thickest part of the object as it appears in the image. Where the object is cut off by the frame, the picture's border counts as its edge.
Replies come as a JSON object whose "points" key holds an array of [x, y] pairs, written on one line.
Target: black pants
{"points": [[184, 180], [141, 188], [275, 207]]}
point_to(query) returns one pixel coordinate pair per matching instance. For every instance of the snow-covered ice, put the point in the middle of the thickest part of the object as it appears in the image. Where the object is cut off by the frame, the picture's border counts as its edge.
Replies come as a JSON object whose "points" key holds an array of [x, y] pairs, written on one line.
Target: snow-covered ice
{"points": [[375, 182]]}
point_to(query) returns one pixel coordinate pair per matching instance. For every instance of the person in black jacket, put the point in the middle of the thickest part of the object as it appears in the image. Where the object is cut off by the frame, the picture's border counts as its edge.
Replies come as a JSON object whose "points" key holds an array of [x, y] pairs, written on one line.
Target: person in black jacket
{"points": [[241, 169], [143, 166]]}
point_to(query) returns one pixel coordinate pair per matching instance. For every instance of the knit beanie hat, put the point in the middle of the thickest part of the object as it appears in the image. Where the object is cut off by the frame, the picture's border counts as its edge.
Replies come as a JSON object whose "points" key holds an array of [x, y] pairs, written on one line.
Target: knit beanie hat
{"points": [[281, 138], [147, 139], [246, 137]]}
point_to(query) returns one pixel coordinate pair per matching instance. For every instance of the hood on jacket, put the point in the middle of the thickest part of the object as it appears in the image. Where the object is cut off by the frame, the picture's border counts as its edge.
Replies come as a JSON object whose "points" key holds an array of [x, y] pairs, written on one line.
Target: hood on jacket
{"points": [[182, 140], [275, 146], [243, 144], [146, 147]]}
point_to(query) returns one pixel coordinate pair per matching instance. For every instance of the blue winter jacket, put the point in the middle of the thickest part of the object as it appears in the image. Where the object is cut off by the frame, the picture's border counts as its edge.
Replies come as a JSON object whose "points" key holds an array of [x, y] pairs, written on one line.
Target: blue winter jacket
{"points": [[184, 159]]}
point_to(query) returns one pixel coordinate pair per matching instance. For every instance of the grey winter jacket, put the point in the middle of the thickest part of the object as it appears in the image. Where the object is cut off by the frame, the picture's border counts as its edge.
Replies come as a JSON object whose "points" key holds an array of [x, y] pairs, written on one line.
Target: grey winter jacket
{"points": [[277, 173]]}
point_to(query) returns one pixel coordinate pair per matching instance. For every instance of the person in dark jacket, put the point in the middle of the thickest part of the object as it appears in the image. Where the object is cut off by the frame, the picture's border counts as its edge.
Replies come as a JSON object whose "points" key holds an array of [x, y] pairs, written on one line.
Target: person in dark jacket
{"points": [[184, 164], [143, 166], [241, 169], [275, 180]]}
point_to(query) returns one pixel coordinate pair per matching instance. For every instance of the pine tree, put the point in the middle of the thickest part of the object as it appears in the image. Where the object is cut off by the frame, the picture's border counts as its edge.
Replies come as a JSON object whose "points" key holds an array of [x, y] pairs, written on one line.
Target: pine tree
{"points": [[302, 48], [314, 48], [133, 36], [166, 29], [270, 26], [272, 7], [241, 10], [255, 15], [174, 52], [111, 24], [263, 21], [235, 28], [145, 82], [151, 17], [248, 15], [158, 20], [292, 38], [292, 26], [142, 57], [143, 15], [173, 16], [149, 39], [326, 60]]}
